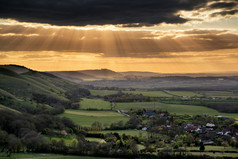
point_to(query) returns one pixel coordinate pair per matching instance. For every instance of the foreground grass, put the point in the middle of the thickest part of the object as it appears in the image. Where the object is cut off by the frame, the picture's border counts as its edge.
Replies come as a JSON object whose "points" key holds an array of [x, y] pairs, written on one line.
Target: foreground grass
{"points": [[87, 118], [94, 104], [46, 156]]}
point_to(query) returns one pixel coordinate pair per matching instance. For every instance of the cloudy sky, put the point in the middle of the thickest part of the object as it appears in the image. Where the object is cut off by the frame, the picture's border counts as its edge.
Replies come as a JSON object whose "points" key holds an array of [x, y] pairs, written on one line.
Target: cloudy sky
{"points": [[167, 36]]}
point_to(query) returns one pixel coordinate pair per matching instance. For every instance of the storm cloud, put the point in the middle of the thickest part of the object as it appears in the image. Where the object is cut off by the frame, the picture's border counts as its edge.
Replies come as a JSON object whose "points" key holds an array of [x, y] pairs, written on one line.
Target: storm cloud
{"points": [[99, 12]]}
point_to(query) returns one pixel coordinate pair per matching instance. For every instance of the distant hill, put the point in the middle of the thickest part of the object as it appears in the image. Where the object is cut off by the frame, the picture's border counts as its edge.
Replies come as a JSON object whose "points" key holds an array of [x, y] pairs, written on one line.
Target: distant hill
{"points": [[171, 83], [103, 73], [15, 68], [88, 76], [79, 76], [74, 76], [137, 74]]}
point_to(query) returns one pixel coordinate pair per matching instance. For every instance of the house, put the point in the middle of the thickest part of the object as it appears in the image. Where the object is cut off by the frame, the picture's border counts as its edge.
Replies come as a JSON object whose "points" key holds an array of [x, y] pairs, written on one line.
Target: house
{"points": [[207, 142], [227, 133], [210, 125], [64, 133], [150, 114], [144, 129], [220, 133]]}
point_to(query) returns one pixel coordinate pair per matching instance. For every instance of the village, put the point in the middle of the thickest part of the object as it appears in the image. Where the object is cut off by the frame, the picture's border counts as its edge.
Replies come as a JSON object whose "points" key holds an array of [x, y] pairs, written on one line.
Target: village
{"points": [[179, 131]]}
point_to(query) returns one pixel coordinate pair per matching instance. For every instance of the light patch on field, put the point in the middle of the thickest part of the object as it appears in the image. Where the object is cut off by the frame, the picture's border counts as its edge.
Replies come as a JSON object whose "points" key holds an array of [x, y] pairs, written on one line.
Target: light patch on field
{"points": [[98, 104], [93, 113], [87, 118]]}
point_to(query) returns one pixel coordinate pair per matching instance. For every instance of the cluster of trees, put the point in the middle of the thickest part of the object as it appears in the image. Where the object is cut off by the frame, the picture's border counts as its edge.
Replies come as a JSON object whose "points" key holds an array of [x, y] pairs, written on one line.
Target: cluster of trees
{"points": [[224, 107], [126, 97], [19, 131], [24, 132]]}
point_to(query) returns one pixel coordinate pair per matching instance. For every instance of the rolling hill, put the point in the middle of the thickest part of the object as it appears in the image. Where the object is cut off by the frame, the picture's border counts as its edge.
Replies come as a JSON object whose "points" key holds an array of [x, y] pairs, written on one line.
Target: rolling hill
{"points": [[79, 76], [27, 90]]}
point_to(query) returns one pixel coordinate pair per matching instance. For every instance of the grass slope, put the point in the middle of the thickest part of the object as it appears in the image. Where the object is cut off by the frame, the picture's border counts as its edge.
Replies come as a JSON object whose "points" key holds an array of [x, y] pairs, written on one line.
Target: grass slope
{"points": [[4, 107]]}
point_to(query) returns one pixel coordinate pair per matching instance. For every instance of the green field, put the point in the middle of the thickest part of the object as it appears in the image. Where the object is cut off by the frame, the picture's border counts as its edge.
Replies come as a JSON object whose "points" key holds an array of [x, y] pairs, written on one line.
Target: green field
{"points": [[102, 93], [46, 156], [150, 93], [173, 108], [220, 94], [147, 93], [214, 148], [184, 93], [86, 118], [127, 132], [221, 154], [68, 139], [92, 139], [94, 104]]}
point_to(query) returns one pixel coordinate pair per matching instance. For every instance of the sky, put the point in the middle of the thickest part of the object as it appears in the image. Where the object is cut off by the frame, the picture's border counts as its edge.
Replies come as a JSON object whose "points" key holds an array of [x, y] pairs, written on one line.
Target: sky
{"points": [[165, 36]]}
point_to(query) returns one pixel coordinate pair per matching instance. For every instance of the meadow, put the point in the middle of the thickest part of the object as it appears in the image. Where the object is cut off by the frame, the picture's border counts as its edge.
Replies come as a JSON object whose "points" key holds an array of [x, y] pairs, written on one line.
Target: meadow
{"points": [[147, 93], [172, 108], [214, 148], [126, 132], [98, 104], [87, 118], [184, 93], [220, 94], [150, 93]]}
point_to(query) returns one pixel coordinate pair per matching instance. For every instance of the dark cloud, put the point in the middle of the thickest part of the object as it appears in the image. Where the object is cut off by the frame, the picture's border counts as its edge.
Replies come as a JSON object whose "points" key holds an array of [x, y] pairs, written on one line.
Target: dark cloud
{"points": [[227, 8], [98, 12], [223, 5], [224, 13]]}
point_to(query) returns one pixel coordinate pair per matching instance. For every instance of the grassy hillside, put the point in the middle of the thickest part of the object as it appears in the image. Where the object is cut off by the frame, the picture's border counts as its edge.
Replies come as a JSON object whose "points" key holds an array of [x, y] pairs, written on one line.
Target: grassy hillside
{"points": [[26, 90], [4, 107]]}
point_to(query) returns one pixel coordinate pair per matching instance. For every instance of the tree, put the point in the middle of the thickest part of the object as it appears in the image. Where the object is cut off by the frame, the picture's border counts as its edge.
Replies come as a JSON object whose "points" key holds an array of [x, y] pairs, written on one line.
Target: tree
{"points": [[134, 122], [202, 147], [189, 139], [14, 143], [96, 126]]}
